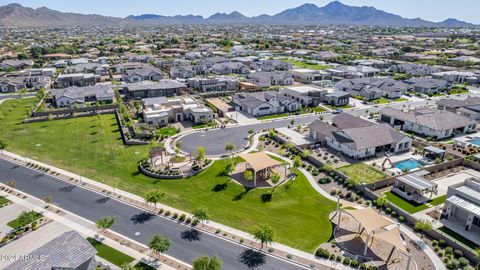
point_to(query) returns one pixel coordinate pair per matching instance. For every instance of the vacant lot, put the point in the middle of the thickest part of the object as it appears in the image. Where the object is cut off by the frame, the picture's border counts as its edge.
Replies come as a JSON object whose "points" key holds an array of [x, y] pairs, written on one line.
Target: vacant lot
{"points": [[92, 147]]}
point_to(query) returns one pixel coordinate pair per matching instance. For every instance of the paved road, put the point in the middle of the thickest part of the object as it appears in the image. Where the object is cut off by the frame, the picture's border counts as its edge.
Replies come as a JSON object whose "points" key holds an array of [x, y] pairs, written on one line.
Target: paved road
{"points": [[214, 140], [187, 245]]}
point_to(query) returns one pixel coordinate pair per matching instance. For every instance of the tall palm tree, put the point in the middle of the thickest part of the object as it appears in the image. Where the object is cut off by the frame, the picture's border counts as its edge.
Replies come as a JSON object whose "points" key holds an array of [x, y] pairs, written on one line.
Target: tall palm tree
{"points": [[105, 223], [159, 244]]}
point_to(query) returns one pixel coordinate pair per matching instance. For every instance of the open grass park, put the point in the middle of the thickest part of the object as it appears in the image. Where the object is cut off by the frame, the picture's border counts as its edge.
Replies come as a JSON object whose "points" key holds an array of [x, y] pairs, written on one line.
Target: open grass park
{"points": [[92, 147]]}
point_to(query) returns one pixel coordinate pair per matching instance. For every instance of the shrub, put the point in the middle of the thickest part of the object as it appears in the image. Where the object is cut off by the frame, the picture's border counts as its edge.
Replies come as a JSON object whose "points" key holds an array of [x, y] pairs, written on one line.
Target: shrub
{"points": [[393, 214], [338, 258], [332, 257], [175, 215], [241, 240], [435, 243], [346, 261], [354, 263], [195, 222], [188, 221], [270, 250], [463, 261], [442, 243], [457, 253], [217, 231], [289, 256], [167, 213], [449, 250], [388, 210], [160, 211], [321, 252], [363, 266], [182, 217]]}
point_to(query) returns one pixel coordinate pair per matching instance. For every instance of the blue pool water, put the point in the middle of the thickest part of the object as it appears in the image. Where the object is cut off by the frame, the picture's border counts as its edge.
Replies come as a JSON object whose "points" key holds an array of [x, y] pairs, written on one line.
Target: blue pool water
{"points": [[409, 164], [475, 141]]}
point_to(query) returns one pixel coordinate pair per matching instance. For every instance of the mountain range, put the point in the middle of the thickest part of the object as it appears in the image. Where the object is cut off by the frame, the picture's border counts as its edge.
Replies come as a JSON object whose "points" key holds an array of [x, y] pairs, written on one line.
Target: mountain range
{"points": [[335, 13]]}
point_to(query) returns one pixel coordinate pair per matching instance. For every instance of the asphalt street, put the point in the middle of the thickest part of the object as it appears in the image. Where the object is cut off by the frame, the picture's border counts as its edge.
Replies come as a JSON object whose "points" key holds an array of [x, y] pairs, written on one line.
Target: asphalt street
{"points": [[214, 140], [187, 243]]}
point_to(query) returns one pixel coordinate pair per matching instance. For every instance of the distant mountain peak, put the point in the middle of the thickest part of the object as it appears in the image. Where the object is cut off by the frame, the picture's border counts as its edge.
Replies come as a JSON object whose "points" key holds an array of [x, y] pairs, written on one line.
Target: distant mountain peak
{"points": [[16, 15]]}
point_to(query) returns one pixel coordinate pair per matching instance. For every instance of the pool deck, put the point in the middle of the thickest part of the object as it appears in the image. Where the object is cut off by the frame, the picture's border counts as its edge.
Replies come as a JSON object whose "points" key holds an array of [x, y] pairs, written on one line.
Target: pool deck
{"points": [[395, 159]]}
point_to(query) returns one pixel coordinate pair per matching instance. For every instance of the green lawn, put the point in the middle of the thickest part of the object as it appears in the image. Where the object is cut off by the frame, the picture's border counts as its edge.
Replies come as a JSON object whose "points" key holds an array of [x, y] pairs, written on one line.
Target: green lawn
{"points": [[167, 131], [110, 254], [458, 238], [412, 207], [211, 124], [3, 201], [272, 116], [305, 65], [400, 99], [348, 106], [92, 146], [362, 173], [16, 223], [381, 101]]}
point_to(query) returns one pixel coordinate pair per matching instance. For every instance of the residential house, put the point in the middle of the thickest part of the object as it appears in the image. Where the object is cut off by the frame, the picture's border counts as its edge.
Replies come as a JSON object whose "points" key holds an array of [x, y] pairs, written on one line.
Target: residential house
{"points": [[458, 76], [68, 251], [214, 84], [80, 95], [358, 138], [160, 111], [75, 79], [87, 68], [305, 75], [182, 72], [469, 107], [372, 88], [272, 65], [227, 68], [265, 103], [308, 96], [266, 79], [142, 74], [433, 123], [413, 69], [147, 89], [30, 83], [427, 86], [15, 64], [461, 212]]}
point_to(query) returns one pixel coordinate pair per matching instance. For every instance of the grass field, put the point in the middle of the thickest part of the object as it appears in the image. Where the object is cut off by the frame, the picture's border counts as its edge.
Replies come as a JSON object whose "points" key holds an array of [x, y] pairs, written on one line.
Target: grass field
{"points": [[362, 173], [348, 106], [412, 207], [110, 254], [458, 237], [400, 99], [92, 146], [3, 201], [16, 223], [381, 101], [167, 131], [305, 65]]}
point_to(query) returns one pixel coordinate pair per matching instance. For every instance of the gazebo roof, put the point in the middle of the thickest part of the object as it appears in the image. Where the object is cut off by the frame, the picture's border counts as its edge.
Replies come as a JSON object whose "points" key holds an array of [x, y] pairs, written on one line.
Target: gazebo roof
{"points": [[435, 150], [393, 237], [369, 219], [260, 161]]}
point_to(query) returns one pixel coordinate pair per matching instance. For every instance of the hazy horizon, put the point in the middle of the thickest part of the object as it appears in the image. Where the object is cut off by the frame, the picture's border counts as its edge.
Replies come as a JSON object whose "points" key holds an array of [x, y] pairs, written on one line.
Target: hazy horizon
{"points": [[432, 10]]}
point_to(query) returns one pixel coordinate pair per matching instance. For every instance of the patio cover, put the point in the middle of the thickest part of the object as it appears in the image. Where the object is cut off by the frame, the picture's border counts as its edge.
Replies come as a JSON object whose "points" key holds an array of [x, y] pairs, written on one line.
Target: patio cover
{"points": [[417, 182], [260, 161], [369, 219], [393, 237], [434, 150], [464, 204]]}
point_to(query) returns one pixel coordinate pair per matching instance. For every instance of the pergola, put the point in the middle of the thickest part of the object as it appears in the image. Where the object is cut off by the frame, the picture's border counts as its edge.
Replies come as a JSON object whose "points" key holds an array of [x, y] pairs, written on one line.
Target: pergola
{"points": [[155, 152], [261, 164], [434, 152], [413, 186]]}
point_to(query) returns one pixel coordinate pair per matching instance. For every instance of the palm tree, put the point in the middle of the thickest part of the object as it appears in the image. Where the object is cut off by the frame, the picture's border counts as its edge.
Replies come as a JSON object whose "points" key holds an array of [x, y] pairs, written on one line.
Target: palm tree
{"points": [[477, 256], [154, 197], [105, 223], [3, 145], [230, 147], [207, 263], [264, 234], [275, 178], [201, 215], [200, 156], [159, 244]]}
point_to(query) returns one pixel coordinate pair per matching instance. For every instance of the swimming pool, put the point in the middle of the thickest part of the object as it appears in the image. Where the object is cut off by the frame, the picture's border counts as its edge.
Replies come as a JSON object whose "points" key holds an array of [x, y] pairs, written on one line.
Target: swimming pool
{"points": [[408, 164], [475, 141]]}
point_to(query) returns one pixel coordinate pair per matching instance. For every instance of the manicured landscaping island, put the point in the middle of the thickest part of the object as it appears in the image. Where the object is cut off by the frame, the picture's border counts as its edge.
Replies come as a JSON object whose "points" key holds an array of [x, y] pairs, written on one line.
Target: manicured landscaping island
{"points": [[92, 147]]}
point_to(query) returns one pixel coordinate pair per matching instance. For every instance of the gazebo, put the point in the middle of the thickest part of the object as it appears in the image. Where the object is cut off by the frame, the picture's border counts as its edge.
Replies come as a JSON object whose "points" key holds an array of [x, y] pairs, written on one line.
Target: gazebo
{"points": [[432, 152], [261, 164]]}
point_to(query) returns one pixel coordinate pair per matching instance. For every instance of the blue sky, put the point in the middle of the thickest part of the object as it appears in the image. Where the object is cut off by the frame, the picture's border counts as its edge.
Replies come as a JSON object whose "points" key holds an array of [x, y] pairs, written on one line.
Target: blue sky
{"points": [[434, 10]]}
